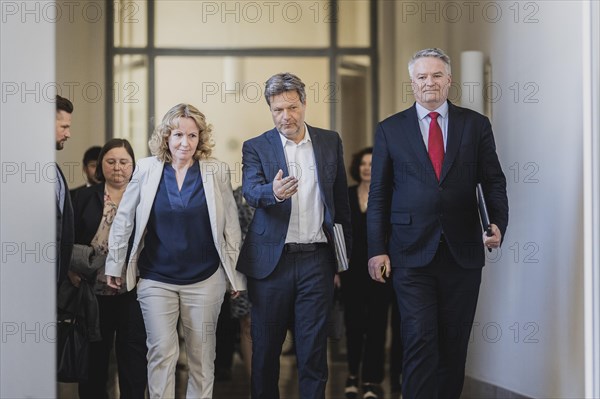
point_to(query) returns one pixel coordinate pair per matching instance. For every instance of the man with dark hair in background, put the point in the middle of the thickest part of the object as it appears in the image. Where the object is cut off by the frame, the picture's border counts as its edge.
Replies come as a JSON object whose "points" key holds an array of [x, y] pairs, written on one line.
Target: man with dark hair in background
{"points": [[90, 161], [64, 209]]}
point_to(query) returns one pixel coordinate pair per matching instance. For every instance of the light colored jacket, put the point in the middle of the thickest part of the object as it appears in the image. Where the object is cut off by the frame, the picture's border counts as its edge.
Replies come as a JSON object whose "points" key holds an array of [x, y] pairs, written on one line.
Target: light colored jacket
{"points": [[135, 207]]}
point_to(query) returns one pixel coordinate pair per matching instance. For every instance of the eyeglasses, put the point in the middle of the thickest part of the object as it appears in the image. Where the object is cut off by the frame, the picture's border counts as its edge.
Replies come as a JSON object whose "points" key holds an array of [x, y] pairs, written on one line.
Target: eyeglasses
{"points": [[121, 162]]}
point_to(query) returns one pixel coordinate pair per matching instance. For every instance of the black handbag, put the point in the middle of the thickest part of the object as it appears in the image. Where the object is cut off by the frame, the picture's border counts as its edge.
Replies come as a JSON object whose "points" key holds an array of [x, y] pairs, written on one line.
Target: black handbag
{"points": [[72, 353]]}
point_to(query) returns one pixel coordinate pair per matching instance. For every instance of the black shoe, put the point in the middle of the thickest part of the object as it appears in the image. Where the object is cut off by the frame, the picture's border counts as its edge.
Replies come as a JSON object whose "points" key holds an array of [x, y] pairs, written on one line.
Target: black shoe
{"points": [[372, 391], [351, 390]]}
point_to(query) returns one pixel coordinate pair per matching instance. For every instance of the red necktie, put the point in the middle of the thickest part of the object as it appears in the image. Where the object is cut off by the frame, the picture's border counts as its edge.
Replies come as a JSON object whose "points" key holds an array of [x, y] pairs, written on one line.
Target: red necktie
{"points": [[435, 144]]}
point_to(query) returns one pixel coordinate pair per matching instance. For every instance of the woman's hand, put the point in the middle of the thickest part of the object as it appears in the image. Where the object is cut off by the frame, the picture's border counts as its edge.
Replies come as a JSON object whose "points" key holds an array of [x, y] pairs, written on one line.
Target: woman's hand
{"points": [[114, 282], [75, 278], [235, 294], [337, 281]]}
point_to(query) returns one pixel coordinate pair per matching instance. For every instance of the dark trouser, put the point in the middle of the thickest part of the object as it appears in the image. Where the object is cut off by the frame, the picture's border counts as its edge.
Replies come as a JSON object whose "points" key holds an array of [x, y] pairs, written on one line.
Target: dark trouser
{"points": [[299, 291], [396, 349], [226, 329], [366, 307], [437, 304], [119, 314]]}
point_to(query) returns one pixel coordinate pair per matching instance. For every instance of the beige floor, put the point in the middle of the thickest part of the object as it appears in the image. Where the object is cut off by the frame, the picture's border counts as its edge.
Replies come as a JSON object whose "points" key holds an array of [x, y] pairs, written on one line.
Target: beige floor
{"points": [[239, 387]]}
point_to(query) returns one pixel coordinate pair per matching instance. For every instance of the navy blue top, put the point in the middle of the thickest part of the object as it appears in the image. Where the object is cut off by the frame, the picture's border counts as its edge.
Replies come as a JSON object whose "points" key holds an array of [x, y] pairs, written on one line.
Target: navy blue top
{"points": [[179, 246]]}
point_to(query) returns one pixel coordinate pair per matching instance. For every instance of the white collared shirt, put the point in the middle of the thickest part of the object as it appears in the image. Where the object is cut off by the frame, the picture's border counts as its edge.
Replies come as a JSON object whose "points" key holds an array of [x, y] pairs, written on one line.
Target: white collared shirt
{"points": [[306, 219], [424, 120]]}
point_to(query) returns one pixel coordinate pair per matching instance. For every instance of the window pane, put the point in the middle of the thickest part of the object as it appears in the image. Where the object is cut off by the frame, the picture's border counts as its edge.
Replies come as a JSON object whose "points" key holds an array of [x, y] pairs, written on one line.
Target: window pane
{"points": [[229, 91], [242, 24], [353, 23], [131, 101], [130, 23], [354, 76]]}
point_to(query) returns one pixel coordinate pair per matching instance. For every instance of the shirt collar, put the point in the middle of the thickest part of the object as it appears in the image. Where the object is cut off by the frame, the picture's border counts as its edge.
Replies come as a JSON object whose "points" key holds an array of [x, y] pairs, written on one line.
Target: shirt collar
{"points": [[285, 140], [422, 112]]}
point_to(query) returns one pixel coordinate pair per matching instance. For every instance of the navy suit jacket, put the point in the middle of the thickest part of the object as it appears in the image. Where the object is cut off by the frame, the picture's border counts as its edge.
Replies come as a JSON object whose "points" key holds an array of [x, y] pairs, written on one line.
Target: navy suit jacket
{"points": [[262, 157], [64, 233], [409, 209]]}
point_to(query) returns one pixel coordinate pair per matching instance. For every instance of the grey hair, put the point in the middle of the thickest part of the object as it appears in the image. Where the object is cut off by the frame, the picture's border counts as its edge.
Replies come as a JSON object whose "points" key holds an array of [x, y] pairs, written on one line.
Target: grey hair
{"points": [[283, 82], [429, 52]]}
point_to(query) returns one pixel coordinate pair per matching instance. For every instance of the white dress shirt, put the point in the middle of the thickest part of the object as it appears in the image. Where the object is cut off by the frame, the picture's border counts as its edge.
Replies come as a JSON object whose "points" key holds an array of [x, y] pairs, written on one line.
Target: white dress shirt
{"points": [[306, 219], [424, 120]]}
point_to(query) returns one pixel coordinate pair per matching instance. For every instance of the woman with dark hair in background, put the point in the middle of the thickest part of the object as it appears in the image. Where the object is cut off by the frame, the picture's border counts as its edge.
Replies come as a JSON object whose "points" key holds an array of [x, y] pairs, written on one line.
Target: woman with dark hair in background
{"points": [[119, 311], [366, 302]]}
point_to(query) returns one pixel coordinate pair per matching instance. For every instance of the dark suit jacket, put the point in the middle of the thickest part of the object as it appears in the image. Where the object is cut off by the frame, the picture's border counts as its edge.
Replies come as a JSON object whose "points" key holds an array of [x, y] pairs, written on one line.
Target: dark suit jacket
{"points": [[263, 156], [76, 191], [64, 233], [409, 209], [88, 207]]}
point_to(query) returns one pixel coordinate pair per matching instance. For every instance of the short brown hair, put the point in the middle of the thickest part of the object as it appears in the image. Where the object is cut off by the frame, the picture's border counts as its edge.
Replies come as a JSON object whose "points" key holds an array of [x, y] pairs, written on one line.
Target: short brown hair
{"points": [[64, 104], [282, 82]]}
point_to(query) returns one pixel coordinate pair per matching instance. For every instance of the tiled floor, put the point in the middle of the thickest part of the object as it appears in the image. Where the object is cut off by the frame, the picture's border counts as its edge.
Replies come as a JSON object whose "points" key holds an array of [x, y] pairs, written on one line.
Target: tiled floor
{"points": [[238, 387]]}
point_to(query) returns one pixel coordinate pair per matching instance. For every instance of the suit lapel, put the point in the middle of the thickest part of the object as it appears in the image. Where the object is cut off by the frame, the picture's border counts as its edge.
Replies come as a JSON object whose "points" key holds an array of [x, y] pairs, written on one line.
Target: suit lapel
{"points": [[208, 171], [456, 123], [275, 140], [315, 136], [64, 188], [150, 187], [100, 193], [318, 147], [415, 138]]}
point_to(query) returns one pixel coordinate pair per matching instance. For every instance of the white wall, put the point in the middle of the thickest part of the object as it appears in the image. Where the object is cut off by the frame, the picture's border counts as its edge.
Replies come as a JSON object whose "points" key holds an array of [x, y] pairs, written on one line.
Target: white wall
{"points": [[27, 273], [415, 29], [32, 34], [547, 213], [530, 333], [80, 67]]}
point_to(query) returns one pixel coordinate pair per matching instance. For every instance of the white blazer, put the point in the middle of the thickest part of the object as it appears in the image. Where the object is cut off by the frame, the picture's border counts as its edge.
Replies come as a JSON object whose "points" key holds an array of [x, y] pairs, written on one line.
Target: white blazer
{"points": [[138, 199]]}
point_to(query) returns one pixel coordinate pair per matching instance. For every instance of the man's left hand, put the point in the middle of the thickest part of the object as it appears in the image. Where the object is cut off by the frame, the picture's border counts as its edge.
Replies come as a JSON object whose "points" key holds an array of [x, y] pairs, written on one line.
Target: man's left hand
{"points": [[493, 241]]}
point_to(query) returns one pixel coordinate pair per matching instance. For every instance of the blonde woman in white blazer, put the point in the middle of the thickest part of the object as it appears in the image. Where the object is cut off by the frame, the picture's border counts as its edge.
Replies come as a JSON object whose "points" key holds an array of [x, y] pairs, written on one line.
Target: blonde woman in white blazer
{"points": [[185, 248]]}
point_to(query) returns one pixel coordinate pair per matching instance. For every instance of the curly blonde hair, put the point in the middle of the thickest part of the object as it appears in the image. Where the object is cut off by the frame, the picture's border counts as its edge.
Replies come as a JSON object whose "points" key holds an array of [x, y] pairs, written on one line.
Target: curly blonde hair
{"points": [[158, 143]]}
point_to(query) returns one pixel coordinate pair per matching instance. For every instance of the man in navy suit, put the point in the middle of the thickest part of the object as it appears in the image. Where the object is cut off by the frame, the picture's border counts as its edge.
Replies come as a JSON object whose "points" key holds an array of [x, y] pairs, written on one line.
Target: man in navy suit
{"points": [[64, 209], [423, 223], [294, 176]]}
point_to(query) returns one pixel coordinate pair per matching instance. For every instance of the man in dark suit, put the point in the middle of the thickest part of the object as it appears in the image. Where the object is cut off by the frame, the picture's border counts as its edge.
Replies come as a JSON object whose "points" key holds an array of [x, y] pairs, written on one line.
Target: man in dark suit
{"points": [[294, 176], [64, 209], [423, 224]]}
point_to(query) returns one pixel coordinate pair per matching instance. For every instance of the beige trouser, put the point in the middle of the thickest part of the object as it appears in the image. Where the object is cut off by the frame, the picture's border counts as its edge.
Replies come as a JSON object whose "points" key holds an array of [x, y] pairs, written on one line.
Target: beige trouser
{"points": [[198, 305]]}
